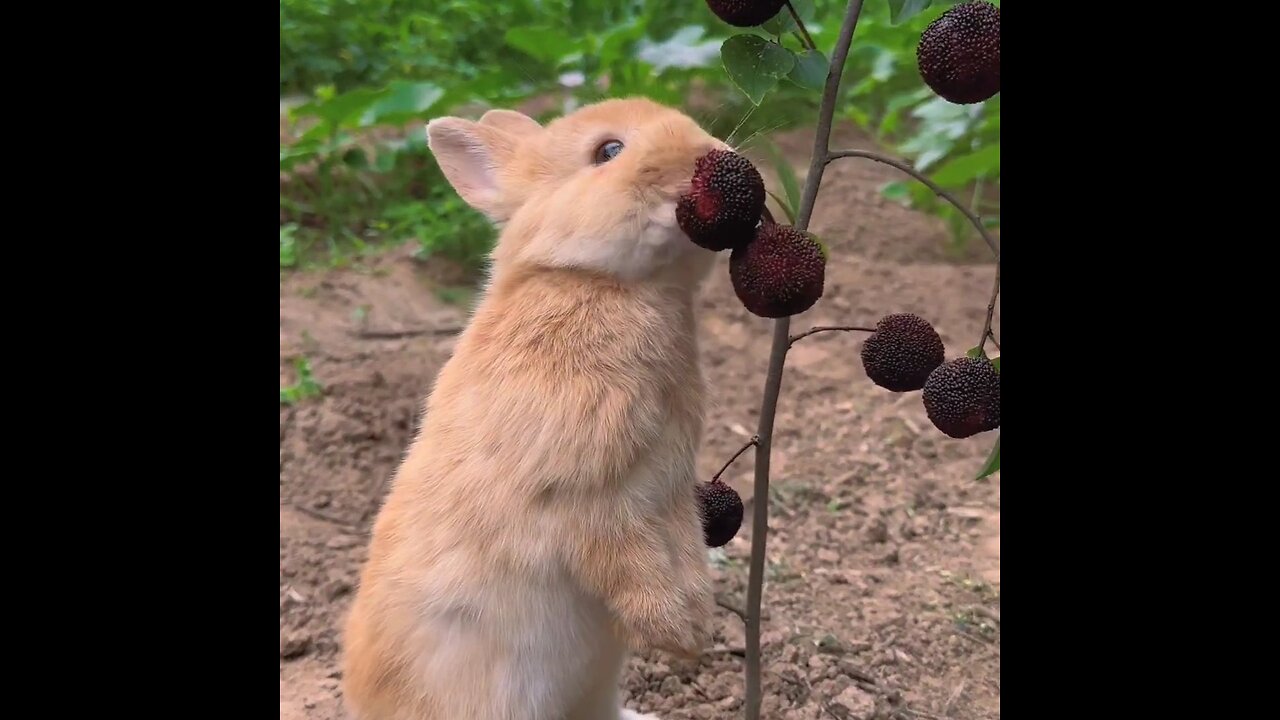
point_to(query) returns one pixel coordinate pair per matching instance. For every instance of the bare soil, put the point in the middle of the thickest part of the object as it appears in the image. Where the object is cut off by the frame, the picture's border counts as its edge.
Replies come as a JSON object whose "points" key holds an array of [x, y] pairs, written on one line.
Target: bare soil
{"points": [[884, 553]]}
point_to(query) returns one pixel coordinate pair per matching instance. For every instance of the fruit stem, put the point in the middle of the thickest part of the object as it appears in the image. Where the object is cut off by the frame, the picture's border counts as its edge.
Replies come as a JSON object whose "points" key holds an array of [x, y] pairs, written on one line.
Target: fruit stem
{"points": [[827, 328], [777, 360], [974, 219], [808, 40], [991, 310], [750, 444]]}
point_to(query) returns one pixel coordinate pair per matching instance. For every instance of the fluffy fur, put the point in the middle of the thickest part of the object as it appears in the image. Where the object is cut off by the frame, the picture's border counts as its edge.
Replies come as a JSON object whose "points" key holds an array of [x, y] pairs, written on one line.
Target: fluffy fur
{"points": [[544, 521]]}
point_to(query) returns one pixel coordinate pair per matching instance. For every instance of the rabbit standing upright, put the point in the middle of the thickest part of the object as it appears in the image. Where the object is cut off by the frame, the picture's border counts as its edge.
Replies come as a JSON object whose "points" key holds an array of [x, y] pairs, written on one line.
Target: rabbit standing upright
{"points": [[544, 521]]}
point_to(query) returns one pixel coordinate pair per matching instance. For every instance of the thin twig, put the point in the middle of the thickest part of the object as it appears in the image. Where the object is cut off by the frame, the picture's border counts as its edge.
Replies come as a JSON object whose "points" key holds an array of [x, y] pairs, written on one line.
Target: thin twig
{"points": [[827, 328], [742, 614], [993, 340], [978, 639], [808, 40], [777, 360], [974, 219], [980, 611], [923, 714], [991, 311], [755, 439], [401, 334], [316, 514]]}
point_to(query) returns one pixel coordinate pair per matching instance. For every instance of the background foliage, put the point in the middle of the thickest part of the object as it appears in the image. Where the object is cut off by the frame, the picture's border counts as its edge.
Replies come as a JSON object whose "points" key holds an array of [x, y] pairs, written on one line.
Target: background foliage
{"points": [[358, 78]]}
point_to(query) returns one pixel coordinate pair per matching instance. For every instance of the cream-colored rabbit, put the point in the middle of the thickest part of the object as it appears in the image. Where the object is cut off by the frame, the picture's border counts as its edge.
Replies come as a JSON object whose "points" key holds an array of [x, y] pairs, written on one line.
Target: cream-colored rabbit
{"points": [[544, 521]]}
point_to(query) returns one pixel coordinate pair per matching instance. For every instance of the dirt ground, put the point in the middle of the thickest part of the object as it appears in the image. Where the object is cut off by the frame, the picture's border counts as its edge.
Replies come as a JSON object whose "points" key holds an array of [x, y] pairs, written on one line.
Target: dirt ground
{"points": [[882, 597]]}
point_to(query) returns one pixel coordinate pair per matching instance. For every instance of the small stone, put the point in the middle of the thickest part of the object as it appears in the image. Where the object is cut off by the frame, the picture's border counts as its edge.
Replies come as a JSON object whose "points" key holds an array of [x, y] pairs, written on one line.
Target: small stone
{"points": [[336, 588], [857, 703], [828, 556], [294, 644], [878, 531], [341, 542]]}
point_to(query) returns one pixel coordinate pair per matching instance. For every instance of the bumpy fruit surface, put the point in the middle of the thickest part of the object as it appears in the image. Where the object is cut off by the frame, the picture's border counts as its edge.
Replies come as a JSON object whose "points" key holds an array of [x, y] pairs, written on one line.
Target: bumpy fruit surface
{"points": [[745, 13], [723, 206], [962, 397], [902, 352], [779, 273], [721, 509], [959, 53]]}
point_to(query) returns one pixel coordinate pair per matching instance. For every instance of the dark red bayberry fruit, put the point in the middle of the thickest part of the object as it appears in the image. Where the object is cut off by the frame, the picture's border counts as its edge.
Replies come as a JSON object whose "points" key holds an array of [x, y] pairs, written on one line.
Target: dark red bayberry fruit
{"points": [[723, 206], [721, 509], [959, 53], [779, 273], [902, 352], [745, 13], [962, 397]]}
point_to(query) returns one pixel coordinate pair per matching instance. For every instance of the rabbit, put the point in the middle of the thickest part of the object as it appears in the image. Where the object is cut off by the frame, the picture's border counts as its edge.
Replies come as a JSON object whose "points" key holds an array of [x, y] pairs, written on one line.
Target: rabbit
{"points": [[543, 524]]}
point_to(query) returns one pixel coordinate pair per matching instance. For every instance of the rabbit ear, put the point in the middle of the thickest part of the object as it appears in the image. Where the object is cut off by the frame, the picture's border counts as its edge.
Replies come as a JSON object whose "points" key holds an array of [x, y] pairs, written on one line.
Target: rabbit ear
{"points": [[516, 123], [472, 157]]}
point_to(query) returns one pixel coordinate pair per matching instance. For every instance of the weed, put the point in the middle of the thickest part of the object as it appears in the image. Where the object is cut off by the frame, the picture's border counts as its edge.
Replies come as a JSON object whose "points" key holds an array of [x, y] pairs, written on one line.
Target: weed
{"points": [[305, 387]]}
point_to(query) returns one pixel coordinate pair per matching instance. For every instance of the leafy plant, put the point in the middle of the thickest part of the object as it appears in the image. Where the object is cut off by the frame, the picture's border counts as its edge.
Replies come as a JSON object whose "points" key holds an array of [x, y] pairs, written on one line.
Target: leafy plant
{"points": [[371, 71], [305, 387], [756, 64]]}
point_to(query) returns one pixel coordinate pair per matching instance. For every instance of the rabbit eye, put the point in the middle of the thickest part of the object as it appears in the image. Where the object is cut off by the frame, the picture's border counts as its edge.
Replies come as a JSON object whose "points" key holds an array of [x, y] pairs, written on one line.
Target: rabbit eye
{"points": [[607, 151]]}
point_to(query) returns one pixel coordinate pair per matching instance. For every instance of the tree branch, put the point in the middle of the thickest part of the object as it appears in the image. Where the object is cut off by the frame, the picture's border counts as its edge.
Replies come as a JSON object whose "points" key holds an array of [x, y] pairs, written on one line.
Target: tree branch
{"points": [[777, 360], [750, 443], [808, 40], [991, 311], [827, 328], [365, 334], [974, 219]]}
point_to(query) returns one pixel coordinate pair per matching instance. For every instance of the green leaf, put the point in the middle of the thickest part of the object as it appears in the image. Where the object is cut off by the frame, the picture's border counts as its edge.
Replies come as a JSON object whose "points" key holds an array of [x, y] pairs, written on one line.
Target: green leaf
{"points": [[342, 108], [902, 10], [288, 246], [896, 191], [293, 155], [810, 71], [755, 64], [779, 24], [786, 206], [783, 23], [982, 162], [993, 461], [404, 101], [616, 40], [385, 160], [546, 44], [996, 361]]}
